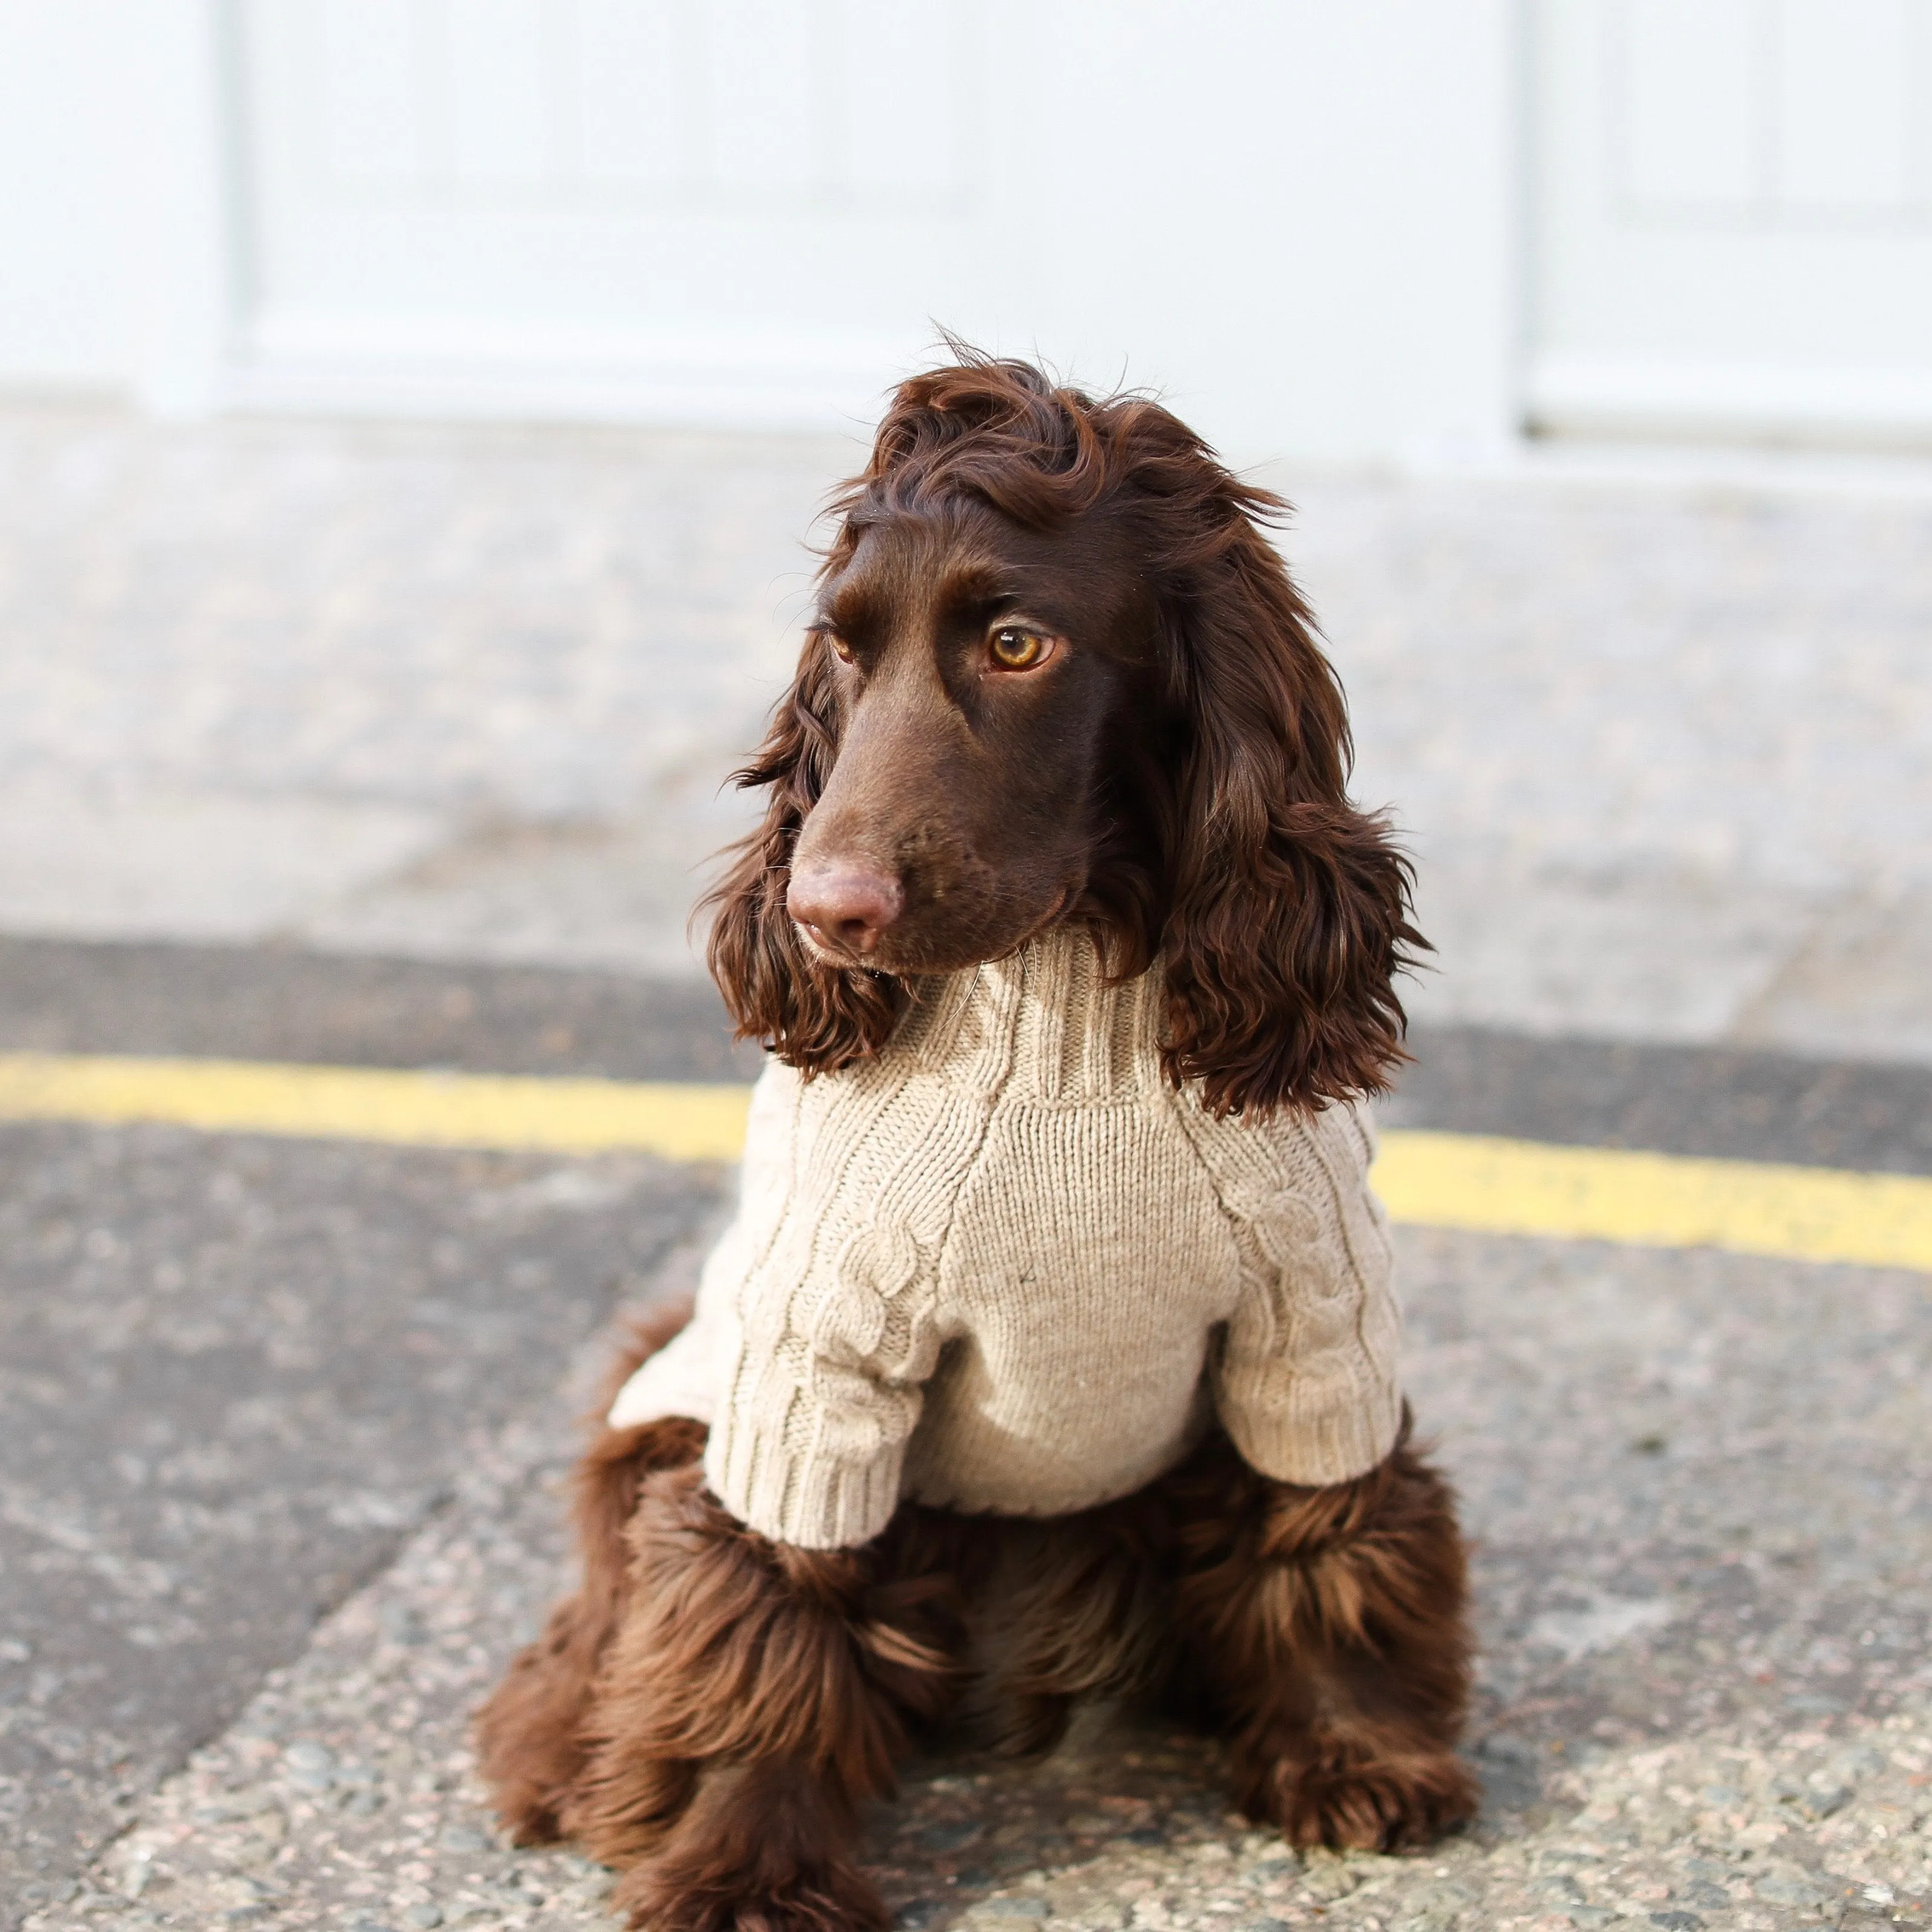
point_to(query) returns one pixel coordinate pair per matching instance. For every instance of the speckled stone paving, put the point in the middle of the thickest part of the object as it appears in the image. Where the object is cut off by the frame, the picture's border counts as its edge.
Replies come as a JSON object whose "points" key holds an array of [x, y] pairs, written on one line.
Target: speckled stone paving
{"points": [[1697, 1487], [236, 1375]]}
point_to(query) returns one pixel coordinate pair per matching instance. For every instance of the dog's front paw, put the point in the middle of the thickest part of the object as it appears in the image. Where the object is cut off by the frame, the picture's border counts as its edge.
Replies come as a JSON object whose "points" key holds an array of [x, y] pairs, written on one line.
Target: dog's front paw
{"points": [[1355, 1801], [679, 1893], [764, 1846]]}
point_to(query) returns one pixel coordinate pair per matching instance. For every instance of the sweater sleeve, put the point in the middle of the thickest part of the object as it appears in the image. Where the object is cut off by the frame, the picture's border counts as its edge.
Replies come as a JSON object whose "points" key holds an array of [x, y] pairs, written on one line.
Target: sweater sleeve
{"points": [[1305, 1382], [683, 1377], [687, 1376], [831, 1303], [809, 1447]]}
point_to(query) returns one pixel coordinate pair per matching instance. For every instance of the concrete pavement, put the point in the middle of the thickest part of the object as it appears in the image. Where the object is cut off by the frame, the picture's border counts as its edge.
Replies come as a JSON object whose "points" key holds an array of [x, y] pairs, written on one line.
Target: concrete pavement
{"points": [[1663, 746]]}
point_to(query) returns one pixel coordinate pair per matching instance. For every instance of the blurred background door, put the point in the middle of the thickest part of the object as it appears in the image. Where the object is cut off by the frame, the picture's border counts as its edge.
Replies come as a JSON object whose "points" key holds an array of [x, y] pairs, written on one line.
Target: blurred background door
{"points": [[736, 210], [1295, 215], [1733, 217]]}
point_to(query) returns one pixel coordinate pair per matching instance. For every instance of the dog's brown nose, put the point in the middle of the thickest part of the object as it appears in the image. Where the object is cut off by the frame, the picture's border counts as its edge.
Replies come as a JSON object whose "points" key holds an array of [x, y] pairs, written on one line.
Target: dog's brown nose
{"points": [[846, 908]]}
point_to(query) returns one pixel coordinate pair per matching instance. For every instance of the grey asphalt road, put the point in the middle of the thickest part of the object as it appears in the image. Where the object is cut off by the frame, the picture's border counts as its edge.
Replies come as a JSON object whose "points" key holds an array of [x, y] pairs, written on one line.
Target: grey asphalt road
{"points": [[272, 1003], [282, 1004], [1701, 1541], [259, 1395], [236, 1374]]}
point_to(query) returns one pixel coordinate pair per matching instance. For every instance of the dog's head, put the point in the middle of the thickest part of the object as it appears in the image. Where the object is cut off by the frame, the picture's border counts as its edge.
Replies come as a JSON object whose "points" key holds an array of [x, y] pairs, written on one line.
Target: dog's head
{"points": [[1057, 671]]}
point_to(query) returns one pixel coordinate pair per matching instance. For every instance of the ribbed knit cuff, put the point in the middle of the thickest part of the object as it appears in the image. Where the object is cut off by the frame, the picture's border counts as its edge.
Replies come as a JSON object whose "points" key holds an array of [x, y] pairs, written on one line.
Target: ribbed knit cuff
{"points": [[1317, 1443], [813, 1502]]}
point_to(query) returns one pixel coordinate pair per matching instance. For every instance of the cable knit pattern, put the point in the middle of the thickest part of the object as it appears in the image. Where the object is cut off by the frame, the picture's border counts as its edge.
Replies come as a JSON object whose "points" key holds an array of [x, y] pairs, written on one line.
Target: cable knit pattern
{"points": [[1004, 1266]]}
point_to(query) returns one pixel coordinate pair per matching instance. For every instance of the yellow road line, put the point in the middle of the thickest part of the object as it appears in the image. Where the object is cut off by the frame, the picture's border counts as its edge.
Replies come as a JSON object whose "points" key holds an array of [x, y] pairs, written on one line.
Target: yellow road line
{"points": [[367, 1103], [1656, 1200], [1445, 1180]]}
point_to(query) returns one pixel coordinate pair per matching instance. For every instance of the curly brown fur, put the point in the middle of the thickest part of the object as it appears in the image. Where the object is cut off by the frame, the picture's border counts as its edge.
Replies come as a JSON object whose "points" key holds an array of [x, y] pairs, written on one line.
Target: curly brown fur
{"points": [[1333, 1624], [528, 1734], [762, 1847], [1178, 780], [1064, 1612], [754, 1695]]}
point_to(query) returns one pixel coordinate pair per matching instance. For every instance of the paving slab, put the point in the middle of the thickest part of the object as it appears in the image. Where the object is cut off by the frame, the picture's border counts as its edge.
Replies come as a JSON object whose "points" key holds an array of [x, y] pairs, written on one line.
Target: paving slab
{"points": [[1695, 1482], [1855, 986], [80, 858], [1664, 747], [237, 1374]]}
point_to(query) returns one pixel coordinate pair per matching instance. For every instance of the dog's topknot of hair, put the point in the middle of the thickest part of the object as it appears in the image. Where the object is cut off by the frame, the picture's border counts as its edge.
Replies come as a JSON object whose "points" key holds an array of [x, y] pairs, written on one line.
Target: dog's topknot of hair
{"points": [[1004, 433]]}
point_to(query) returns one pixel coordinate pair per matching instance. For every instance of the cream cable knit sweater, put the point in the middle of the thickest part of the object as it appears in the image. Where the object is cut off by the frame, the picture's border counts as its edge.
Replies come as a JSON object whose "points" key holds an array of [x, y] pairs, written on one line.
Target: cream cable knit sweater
{"points": [[1004, 1267]]}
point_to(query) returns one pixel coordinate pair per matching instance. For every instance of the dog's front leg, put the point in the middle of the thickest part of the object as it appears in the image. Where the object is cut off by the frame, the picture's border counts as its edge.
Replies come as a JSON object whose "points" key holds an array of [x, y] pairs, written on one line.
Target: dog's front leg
{"points": [[755, 1697], [529, 1735], [1332, 1623], [765, 1845]]}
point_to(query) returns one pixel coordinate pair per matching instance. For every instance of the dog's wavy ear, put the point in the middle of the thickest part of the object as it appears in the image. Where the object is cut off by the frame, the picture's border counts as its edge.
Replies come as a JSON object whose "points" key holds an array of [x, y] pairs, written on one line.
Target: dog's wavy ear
{"points": [[1288, 908], [814, 1017]]}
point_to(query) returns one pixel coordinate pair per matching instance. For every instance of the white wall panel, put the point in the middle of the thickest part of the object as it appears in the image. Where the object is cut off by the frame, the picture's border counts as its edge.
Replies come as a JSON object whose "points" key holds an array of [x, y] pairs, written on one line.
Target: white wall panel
{"points": [[634, 129], [1733, 218], [369, 93], [905, 75], [115, 269], [1298, 216], [1682, 101], [1844, 98], [498, 95]]}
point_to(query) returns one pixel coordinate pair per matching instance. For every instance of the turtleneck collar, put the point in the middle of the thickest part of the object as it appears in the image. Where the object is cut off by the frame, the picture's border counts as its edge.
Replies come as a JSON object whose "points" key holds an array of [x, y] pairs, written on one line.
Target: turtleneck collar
{"points": [[1043, 1022]]}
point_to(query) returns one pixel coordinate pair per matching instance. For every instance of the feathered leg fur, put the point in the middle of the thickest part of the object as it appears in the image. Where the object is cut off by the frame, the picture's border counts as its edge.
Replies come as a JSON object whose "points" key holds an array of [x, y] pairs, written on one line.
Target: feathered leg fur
{"points": [[1066, 1611], [710, 1711], [528, 1735], [1331, 1623], [753, 1697]]}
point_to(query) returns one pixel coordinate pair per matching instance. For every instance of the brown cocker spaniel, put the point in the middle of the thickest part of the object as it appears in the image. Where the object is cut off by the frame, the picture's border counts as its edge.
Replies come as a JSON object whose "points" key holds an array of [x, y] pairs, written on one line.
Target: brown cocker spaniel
{"points": [[1058, 683]]}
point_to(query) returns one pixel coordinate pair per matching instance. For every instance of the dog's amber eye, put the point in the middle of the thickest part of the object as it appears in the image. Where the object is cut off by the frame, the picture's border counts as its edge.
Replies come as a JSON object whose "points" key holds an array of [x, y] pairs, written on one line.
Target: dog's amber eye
{"points": [[1016, 649], [841, 649]]}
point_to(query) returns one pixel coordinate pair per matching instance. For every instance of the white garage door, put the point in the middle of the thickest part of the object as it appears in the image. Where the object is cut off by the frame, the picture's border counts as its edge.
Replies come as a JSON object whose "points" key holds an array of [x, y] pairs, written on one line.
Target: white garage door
{"points": [[1733, 217]]}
